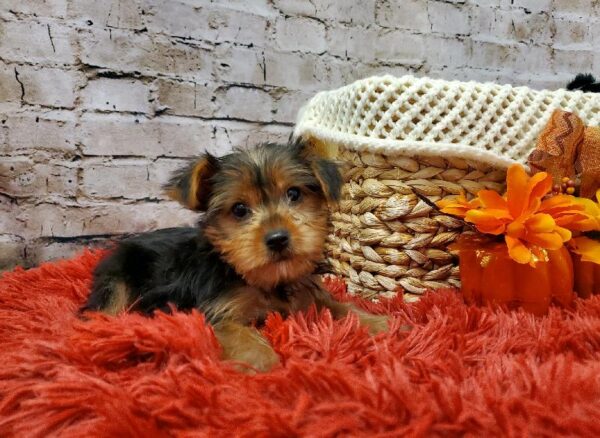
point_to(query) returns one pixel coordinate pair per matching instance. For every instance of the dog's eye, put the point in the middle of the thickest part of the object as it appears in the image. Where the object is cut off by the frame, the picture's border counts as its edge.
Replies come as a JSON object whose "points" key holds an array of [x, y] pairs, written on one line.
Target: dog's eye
{"points": [[293, 194], [240, 210]]}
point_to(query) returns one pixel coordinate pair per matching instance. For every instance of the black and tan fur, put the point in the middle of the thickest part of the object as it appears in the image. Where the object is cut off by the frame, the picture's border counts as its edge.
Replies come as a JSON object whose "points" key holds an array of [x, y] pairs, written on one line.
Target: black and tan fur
{"points": [[227, 267]]}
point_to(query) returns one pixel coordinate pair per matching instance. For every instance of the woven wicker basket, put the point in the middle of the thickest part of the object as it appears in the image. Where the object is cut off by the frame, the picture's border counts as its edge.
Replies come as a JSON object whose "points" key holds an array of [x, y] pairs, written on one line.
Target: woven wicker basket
{"points": [[404, 143]]}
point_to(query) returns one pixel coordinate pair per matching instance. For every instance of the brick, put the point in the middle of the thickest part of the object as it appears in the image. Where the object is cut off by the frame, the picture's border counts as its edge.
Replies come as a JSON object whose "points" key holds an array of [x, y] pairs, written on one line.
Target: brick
{"points": [[12, 251], [245, 103], [47, 131], [572, 34], [400, 47], [259, 7], [448, 18], [8, 212], [179, 18], [581, 8], [32, 42], [533, 28], [290, 70], [239, 64], [4, 138], [492, 24], [295, 7], [117, 14], [116, 95], [230, 134], [45, 250], [534, 5], [140, 52], [570, 61], [287, 105], [160, 170], [550, 82], [374, 69], [128, 179], [467, 74], [405, 14], [595, 33], [51, 220], [20, 177], [37, 8], [491, 55], [49, 86], [300, 34], [187, 98], [362, 12], [353, 42], [532, 59], [443, 51], [120, 135], [492, 3], [10, 89], [330, 73]]}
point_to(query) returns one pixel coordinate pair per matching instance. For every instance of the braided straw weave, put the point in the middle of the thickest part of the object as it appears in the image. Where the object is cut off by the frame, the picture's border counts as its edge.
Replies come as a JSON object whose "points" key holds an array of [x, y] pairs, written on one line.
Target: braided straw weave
{"points": [[404, 143]]}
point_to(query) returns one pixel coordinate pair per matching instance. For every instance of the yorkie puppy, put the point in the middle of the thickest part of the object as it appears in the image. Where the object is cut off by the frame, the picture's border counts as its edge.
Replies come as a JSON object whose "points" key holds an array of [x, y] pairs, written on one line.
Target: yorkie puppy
{"points": [[254, 251]]}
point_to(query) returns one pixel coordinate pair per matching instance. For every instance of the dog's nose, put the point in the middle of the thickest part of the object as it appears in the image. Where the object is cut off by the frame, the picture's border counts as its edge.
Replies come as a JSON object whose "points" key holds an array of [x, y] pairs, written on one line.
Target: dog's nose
{"points": [[277, 240]]}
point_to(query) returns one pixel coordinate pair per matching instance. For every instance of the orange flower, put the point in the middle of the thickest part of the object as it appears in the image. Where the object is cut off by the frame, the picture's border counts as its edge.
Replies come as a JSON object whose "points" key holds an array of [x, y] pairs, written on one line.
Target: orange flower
{"points": [[530, 225], [458, 205], [588, 249], [576, 214]]}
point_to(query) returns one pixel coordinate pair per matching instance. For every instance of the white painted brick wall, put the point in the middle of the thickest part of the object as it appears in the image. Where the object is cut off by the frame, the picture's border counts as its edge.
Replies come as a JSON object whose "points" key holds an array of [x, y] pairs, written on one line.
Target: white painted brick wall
{"points": [[100, 100]]}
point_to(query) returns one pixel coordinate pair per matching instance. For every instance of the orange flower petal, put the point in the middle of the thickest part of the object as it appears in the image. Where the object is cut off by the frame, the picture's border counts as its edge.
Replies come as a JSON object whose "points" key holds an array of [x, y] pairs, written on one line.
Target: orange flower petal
{"points": [[577, 214], [546, 240], [523, 193], [540, 185], [491, 199], [516, 181], [457, 205], [516, 229], [588, 249], [487, 221], [540, 223], [517, 250], [564, 233]]}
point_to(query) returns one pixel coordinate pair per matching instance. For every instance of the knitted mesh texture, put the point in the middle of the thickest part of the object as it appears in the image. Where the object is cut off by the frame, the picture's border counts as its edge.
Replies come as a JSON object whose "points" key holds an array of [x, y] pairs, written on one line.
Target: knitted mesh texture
{"points": [[494, 124]]}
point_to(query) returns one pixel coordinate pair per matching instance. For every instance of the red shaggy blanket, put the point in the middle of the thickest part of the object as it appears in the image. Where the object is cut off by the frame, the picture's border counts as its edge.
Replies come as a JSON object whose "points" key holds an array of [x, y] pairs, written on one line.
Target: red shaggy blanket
{"points": [[461, 370]]}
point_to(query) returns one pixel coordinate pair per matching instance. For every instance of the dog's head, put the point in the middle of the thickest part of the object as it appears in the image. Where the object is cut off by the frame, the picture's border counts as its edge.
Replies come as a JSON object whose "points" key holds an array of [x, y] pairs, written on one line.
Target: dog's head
{"points": [[266, 208]]}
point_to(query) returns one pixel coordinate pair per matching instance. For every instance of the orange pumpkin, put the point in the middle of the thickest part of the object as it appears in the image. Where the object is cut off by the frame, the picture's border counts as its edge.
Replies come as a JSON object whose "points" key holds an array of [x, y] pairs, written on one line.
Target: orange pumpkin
{"points": [[489, 275], [587, 277]]}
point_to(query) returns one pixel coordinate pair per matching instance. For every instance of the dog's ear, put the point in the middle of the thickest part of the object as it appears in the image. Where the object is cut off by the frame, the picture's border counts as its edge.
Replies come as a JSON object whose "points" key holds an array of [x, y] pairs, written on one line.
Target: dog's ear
{"points": [[191, 185], [329, 178], [325, 170]]}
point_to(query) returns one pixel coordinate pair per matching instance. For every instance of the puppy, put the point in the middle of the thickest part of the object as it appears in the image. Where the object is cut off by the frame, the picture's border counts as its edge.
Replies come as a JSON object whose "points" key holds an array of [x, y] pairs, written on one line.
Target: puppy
{"points": [[254, 251], [584, 82]]}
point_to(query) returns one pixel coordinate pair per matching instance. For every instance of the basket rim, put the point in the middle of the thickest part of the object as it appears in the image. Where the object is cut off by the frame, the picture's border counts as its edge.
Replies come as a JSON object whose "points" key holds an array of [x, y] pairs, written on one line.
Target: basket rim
{"points": [[523, 129], [384, 146]]}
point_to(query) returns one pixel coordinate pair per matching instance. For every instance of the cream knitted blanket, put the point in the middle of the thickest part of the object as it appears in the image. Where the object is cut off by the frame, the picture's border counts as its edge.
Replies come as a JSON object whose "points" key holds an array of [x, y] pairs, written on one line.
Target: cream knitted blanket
{"points": [[494, 124]]}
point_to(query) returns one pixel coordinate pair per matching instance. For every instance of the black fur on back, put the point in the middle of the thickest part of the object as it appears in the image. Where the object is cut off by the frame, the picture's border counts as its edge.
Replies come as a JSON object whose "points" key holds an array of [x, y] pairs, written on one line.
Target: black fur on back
{"points": [[584, 82], [176, 265]]}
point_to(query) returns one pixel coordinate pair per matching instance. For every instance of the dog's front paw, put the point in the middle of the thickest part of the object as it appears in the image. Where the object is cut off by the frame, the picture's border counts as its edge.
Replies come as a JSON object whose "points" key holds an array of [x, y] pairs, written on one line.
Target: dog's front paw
{"points": [[261, 357], [245, 344], [374, 323]]}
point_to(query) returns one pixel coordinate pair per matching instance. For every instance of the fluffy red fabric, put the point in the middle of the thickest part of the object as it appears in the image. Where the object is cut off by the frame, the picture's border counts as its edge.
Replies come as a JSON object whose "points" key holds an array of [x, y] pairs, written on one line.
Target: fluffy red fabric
{"points": [[461, 370]]}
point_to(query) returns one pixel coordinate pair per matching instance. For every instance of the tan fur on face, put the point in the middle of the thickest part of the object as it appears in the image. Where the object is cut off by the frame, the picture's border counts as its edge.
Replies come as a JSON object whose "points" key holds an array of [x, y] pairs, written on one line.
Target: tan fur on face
{"points": [[241, 242]]}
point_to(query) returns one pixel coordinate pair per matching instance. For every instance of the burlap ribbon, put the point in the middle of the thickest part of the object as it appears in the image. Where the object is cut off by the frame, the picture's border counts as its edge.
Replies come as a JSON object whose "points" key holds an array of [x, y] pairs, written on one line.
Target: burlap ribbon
{"points": [[568, 148]]}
